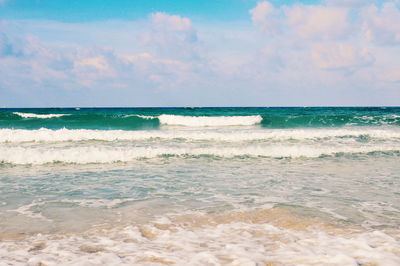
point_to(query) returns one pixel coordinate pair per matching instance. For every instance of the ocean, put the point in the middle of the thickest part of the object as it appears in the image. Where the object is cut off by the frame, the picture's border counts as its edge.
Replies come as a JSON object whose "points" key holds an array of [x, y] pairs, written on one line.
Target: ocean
{"points": [[200, 186]]}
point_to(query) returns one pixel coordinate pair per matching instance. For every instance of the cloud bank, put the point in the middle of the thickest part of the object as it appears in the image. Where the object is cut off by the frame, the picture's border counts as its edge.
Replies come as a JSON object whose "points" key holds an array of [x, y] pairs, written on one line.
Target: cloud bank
{"points": [[333, 53]]}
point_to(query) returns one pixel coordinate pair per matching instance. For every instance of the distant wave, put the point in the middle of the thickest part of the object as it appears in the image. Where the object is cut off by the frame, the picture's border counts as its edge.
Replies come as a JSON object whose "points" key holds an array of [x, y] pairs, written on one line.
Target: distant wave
{"points": [[142, 116], [115, 120], [42, 116], [204, 121], [61, 135]]}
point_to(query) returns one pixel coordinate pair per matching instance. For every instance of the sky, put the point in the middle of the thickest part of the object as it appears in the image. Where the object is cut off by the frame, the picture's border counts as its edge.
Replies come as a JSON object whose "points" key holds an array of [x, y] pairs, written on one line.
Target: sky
{"points": [[148, 53]]}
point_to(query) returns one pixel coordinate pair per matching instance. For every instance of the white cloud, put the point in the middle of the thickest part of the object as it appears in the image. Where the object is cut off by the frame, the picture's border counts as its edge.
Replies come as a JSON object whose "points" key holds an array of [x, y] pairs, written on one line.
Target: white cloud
{"points": [[167, 57], [164, 21], [170, 36], [340, 56], [98, 62], [382, 25], [305, 21], [349, 3], [387, 66], [293, 54], [265, 17], [318, 22], [391, 76], [327, 47]]}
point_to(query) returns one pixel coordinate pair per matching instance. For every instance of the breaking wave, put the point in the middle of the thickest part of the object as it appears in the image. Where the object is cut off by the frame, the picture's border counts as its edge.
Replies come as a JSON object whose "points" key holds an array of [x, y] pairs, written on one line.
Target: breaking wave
{"points": [[42, 116], [61, 135], [107, 154], [261, 237], [208, 121]]}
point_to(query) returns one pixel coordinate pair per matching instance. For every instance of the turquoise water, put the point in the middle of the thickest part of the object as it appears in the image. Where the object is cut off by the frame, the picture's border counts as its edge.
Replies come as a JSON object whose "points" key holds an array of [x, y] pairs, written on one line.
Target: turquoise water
{"points": [[129, 118], [200, 186]]}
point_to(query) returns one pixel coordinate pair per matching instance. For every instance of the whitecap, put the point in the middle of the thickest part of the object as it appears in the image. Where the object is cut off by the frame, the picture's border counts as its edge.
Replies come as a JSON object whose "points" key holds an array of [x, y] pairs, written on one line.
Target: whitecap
{"points": [[42, 116], [107, 154], [204, 121], [62, 135]]}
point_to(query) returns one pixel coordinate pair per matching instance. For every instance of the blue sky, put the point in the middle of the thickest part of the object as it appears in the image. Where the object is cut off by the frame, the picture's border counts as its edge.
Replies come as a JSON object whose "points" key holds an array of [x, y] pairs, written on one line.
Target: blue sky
{"points": [[95, 10], [199, 53]]}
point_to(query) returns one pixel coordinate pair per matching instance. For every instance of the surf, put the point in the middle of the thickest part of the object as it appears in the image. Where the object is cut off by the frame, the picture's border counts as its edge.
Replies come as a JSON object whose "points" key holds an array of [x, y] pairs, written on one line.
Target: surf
{"points": [[102, 154], [40, 116], [205, 134], [209, 121]]}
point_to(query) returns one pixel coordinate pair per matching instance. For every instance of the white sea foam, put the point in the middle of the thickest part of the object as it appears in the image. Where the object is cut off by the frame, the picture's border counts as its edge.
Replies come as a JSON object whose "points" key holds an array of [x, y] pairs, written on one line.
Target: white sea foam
{"points": [[26, 210], [142, 116], [107, 154], [61, 135], [98, 203], [42, 116], [205, 121], [236, 243]]}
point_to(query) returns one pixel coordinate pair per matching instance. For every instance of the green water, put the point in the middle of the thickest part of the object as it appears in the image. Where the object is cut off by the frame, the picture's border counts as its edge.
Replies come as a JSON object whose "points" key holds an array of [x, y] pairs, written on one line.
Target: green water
{"points": [[123, 118]]}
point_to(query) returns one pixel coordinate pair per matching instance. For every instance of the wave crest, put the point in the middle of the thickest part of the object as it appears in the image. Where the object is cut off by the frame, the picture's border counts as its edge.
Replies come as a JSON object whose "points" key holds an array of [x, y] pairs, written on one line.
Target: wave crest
{"points": [[209, 121], [104, 154], [62, 135], [42, 116]]}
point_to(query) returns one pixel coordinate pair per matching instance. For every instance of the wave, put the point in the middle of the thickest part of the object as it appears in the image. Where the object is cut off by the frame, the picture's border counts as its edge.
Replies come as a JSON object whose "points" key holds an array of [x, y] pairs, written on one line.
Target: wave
{"points": [[207, 121], [62, 135], [106, 154], [136, 121], [42, 116], [328, 120], [232, 238], [142, 116], [144, 119]]}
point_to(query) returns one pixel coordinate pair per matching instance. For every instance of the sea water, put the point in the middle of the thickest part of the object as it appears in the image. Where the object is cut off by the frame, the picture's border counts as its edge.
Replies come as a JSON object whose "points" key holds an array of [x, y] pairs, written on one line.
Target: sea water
{"points": [[200, 186]]}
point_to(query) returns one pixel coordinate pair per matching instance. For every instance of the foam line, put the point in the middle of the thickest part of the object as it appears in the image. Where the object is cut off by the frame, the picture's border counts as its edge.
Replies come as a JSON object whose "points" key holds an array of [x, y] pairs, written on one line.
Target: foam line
{"points": [[61, 135], [107, 154], [42, 116], [206, 121]]}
